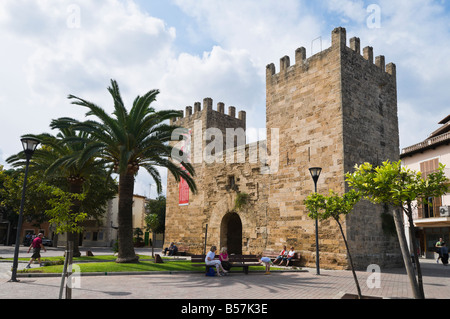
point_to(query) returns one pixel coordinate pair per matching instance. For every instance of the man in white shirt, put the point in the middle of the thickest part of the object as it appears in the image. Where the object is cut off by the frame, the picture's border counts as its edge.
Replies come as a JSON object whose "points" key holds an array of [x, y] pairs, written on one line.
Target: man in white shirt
{"points": [[289, 256], [210, 261]]}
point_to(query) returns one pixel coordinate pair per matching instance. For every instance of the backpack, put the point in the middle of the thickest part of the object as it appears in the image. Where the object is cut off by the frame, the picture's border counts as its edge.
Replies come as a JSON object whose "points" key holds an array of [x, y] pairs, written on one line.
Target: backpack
{"points": [[210, 272]]}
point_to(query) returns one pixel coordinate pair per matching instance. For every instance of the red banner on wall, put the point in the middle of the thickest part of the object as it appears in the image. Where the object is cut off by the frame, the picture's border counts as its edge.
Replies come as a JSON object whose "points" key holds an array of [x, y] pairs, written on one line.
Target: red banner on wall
{"points": [[184, 192], [183, 197]]}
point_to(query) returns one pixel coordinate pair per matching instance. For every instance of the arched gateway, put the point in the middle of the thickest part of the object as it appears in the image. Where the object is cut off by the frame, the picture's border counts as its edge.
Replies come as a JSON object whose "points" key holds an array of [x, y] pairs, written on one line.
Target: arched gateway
{"points": [[331, 110], [231, 233]]}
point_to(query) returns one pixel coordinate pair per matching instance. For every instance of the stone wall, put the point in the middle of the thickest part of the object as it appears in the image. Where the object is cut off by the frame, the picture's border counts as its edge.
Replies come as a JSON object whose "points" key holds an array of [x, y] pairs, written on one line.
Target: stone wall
{"points": [[304, 102], [369, 91], [332, 110], [186, 225]]}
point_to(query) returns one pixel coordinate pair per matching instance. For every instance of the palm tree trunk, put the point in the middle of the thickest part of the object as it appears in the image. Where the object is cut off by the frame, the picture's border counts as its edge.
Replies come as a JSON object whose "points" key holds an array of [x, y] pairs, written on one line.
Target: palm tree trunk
{"points": [[126, 248]]}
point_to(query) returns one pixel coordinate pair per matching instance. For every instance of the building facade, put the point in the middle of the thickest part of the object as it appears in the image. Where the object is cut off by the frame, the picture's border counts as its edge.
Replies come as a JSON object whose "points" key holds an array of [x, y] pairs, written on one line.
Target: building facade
{"points": [[431, 220], [104, 232], [333, 110]]}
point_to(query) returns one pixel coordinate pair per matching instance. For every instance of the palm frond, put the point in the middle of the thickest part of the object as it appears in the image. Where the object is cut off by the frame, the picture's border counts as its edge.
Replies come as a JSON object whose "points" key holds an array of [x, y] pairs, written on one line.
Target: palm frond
{"points": [[119, 108], [141, 108], [154, 120], [113, 126], [154, 173]]}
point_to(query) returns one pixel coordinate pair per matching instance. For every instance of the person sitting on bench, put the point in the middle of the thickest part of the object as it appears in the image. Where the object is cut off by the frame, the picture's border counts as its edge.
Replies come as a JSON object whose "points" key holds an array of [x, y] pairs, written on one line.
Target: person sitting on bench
{"points": [[172, 250], [210, 261], [289, 256], [283, 254]]}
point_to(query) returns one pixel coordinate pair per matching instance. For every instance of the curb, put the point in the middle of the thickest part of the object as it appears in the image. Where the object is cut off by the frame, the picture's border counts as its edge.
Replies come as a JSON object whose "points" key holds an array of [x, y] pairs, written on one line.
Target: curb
{"points": [[136, 273]]}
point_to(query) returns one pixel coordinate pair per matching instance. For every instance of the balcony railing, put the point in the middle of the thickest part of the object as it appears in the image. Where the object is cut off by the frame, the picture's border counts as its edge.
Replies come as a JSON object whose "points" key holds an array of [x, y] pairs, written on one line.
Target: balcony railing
{"points": [[427, 143]]}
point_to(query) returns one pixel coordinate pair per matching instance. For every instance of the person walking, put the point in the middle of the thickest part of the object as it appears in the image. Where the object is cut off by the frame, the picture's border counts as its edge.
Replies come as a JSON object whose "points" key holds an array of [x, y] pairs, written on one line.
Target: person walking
{"points": [[37, 245], [438, 248]]}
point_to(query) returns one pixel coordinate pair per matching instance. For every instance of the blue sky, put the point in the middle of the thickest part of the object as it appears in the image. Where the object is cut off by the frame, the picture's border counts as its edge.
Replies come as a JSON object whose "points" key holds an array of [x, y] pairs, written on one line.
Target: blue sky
{"points": [[192, 49]]}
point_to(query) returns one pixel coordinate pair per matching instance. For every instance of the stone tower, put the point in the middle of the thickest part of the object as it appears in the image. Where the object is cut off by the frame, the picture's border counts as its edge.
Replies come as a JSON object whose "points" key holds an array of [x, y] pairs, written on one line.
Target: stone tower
{"points": [[335, 109], [187, 218]]}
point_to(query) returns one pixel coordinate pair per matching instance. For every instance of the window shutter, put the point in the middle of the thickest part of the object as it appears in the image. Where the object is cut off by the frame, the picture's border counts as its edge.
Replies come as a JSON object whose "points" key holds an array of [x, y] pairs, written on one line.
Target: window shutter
{"points": [[427, 168]]}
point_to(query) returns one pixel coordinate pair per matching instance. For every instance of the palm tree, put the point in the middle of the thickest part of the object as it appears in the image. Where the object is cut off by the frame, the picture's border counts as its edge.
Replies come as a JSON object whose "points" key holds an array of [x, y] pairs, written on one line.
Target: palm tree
{"points": [[58, 160], [130, 140]]}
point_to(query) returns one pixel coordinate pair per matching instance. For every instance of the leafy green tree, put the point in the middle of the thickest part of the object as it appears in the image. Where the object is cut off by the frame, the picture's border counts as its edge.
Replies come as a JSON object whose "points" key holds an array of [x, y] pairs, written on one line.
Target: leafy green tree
{"points": [[6, 211], [59, 163], [11, 183], [11, 193], [400, 187], [60, 211], [130, 140], [156, 215], [333, 206], [43, 202]]}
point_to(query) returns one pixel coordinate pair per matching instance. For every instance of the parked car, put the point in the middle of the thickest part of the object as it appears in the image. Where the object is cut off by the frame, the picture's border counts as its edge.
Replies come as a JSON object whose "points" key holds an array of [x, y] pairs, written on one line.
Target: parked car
{"points": [[27, 241], [47, 242]]}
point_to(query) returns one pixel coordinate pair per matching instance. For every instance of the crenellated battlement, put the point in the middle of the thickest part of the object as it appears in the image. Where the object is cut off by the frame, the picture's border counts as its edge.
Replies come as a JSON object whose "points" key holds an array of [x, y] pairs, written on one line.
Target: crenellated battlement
{"points": [[198, 110], [333, 110], [338, 42]]}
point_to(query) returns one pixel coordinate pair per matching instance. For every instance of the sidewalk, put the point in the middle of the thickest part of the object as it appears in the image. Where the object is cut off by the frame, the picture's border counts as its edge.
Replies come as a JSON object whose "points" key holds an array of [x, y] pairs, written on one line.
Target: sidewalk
{"points": [[331, 284]]}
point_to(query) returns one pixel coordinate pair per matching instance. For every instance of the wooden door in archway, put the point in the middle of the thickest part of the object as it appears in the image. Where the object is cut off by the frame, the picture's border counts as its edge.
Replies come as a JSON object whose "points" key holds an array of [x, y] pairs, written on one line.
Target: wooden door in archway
{"points": [[231, 233]]}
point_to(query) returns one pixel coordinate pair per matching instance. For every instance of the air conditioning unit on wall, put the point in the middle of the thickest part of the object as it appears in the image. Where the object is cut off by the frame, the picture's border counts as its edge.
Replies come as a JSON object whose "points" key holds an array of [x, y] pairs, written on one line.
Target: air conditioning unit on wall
{"points": [[445, 211]]}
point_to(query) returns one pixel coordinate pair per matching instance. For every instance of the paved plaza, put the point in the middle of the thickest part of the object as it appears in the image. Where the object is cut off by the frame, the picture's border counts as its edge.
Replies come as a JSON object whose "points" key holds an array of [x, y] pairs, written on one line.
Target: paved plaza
{"points": [[331, 284]]}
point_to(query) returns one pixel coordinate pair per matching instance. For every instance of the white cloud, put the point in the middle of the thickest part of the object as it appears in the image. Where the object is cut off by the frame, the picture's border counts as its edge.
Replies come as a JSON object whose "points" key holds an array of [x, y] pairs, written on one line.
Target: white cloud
{"points": [[229, 75], [267, 30], [49, 59], [46, 57], [255, 35], [348, 10], [414, 35]]}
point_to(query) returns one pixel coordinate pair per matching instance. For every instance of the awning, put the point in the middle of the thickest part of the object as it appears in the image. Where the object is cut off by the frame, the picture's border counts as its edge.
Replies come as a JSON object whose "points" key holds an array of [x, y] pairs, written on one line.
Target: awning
{"points": [[432, 222]]}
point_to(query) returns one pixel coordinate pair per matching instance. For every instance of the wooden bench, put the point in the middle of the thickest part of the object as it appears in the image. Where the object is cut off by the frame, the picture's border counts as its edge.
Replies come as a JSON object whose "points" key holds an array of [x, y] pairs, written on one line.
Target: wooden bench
{"points": [[273, 256], [183, 250], [243, 261]]}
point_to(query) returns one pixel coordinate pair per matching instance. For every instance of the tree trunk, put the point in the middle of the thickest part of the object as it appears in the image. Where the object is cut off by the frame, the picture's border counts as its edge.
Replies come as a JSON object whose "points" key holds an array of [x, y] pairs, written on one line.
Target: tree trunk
{"points": [[73, 237], [126, 247], [153, 243], [358, 288], [405, 253], [415, 250], [75, 187]]}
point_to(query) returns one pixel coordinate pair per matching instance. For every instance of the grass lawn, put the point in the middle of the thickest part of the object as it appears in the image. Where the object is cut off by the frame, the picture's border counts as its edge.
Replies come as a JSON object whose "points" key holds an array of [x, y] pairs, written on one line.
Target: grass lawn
{"points": [[98, 258], [76, 259], [106, 264]]}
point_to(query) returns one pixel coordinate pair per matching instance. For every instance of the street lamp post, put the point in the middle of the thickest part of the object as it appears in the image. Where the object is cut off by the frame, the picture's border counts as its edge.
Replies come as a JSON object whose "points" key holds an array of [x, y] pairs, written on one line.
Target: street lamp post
{"points": [[315, 173], [29, 146]]}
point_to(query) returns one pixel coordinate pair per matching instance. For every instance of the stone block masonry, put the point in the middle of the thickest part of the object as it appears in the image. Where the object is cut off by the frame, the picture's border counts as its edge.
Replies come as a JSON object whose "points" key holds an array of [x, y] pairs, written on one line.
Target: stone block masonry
{"points": [[334, 109]]}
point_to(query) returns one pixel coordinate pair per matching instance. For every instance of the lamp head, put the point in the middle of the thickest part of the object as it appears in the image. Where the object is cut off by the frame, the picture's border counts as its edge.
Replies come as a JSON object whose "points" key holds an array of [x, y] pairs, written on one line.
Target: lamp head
{"points": [[29, 145], [315, 173]]}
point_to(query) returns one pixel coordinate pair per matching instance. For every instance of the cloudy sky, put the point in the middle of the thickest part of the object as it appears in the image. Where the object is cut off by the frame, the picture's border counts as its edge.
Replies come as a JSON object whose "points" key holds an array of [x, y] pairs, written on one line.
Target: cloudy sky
{"points": [[192, 49]]}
